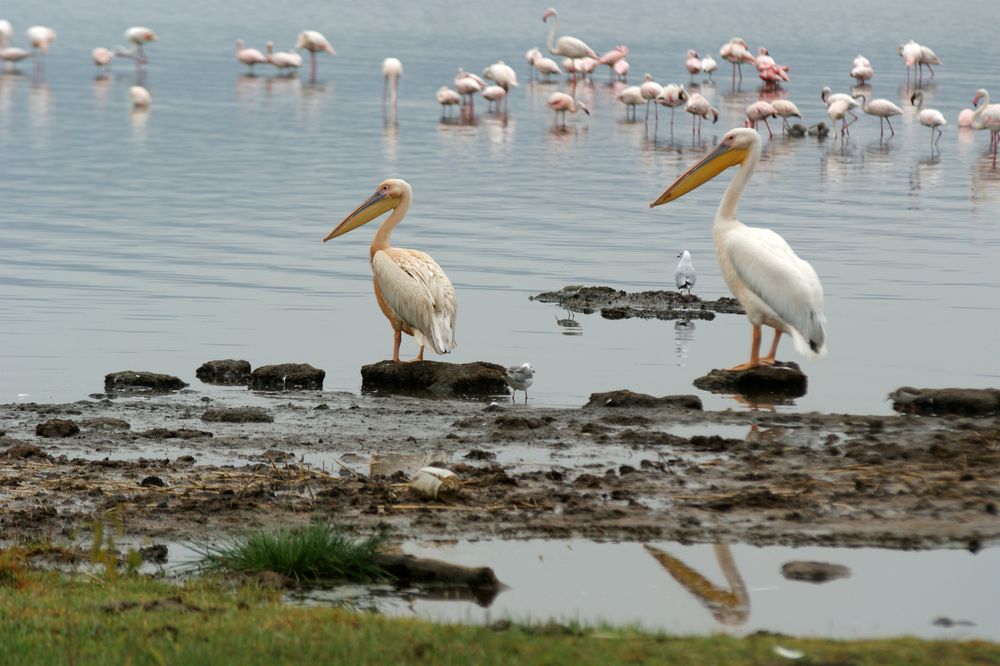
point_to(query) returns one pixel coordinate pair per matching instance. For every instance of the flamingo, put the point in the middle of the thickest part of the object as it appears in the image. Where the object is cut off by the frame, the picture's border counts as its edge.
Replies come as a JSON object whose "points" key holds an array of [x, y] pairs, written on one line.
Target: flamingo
{"points": [[102, 57], [759, 111], [613, 57], [249, 57], [6, 33], [672, 96], [531, 55], [41, 38], [620, 69], [927, 58], [987, 117], [882, 108], [775, 287], [412, 291], [495, 95], [137, 36], [570, 47], [693, 63], [392, 69], [699, 107], [768, 70], [910, 53], [13, 55], [786, 110], [631, 97], [965, 117], [314, 42], [283, 59], [708, 65], [501, 74], [468, 84], [548, 67], [862, 70], [837, 110], [141, 99], [830, 97], [650, 89], [736, 52], [928, 117], [586, 66], [562, 103], [447, 98]]}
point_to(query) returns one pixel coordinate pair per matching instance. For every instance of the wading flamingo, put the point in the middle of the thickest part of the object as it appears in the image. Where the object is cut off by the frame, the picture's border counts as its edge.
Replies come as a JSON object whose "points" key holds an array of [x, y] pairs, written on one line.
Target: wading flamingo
{"points": [[736, 52], [613, 57], [141, 99], [314, 42], [548, 67], [693, 63], [531, 55], [249, 57], [761, 111], [708, 65], [631, 97], [987, 117], [650, 89], [620, 69], [570, 47], [447, 98], [562, 103], [102, 57], [283, 60], [392, 69], [786, 110], [928, 117], [137, 36], [775, 287], [672, 96], [412, 291], [882, 108], [700, 109], [862, 70], [830, 97]]}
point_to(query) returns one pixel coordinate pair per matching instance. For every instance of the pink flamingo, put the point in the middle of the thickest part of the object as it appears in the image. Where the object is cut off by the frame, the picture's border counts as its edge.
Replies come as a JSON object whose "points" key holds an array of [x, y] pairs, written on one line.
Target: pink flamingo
{"points": [[708, 65], [495, 95], [620, 69], [768, 70], [102, 57], [314, 42], [650, 89], [40, 38], [965, 117], [249, 57], [672, 96], [283, 59], [548, 67], [882, 108], [613, 57], [392, 69], [468, 84], [136, 36], [933, 118], [759, 111], [987, 117], [531, 55], [736, 52], [562, 103], [862, 70], [699, 108], [693, 63], [569, 47], [786, 110], [631, 97], [447, 98]]}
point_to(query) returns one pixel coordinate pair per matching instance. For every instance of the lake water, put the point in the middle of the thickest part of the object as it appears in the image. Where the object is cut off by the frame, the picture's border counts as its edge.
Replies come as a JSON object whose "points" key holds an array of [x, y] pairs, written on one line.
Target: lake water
{"points": [[158, 241]]}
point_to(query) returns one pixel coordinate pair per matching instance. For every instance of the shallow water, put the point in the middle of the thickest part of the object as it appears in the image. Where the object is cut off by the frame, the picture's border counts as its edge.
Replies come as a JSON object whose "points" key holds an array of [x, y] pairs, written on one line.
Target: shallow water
{"points": [[158, 241]]}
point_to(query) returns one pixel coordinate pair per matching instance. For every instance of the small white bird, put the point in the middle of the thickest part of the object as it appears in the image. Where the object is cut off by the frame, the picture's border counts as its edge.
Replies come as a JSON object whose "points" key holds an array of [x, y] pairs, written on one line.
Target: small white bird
{"points": [[519, 378], [141, 98], [685, 275]]}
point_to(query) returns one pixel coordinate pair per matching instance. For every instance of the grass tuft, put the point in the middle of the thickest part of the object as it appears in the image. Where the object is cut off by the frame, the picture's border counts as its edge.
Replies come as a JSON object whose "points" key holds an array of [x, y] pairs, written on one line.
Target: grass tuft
{"points": [[318, 550]]}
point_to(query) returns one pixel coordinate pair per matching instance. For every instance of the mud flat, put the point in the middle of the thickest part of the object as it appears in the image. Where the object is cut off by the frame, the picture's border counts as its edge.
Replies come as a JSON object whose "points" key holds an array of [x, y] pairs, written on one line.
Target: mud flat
{"points": [[632, 469], [618, 304]]}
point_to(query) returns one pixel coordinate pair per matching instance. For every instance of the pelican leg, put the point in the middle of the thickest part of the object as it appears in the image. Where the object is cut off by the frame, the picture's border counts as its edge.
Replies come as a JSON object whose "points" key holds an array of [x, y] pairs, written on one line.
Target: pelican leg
{"points": [[397, 339], [769, 359], [420, 354], [754, 353]]}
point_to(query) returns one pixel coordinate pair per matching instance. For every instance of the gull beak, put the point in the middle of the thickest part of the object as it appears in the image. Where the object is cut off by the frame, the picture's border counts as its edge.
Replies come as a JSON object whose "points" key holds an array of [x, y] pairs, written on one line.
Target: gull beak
{"points": [[717, 161], [375, 205]]}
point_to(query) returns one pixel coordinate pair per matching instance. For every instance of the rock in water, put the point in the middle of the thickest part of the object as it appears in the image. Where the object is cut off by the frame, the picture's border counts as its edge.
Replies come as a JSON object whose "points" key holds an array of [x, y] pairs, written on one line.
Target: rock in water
{"points": [[435, 378], [964, 402], [814, 572], [287, 377], [139, 381], [229, 372], [626, 398], [783, 380], [57, 428]]}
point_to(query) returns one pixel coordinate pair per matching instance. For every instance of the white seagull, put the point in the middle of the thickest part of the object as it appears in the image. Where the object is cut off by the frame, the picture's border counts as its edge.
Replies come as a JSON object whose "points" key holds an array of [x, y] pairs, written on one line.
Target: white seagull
{"points": [[685, 275], [519, 378]]}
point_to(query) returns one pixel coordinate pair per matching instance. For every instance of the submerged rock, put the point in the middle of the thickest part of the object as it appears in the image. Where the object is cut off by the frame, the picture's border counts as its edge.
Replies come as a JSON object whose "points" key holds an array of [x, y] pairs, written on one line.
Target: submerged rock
{"points": [[229, 372], [237, 415], [618, 304], [626, 398], [140, 381], [287, 377], [57, 428], [435, 377], [814, 572], [964, 402], [781, 379]]}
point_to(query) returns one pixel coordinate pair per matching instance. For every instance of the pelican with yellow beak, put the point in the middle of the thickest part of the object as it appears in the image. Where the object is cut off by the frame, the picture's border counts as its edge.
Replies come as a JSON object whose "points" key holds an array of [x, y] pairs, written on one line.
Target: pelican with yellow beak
{"points": [[412, 290], [773, 285]]}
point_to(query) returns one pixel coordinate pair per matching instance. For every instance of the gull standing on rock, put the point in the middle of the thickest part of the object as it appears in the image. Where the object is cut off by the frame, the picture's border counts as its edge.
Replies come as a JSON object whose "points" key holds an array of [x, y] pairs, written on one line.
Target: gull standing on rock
{"points": [[685, 276], [520, 378]]}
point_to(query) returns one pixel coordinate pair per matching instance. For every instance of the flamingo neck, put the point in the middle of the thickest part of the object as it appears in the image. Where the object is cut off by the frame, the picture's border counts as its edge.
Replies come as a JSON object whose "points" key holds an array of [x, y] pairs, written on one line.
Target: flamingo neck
{"points": [[981, 109], [726, 215], [552, 35], [381, 241]]}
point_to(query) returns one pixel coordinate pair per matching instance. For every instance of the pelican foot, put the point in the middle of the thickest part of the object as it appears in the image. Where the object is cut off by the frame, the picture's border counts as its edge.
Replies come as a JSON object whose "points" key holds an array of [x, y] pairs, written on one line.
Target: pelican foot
{"points": [[746, 366], [767, 360]]}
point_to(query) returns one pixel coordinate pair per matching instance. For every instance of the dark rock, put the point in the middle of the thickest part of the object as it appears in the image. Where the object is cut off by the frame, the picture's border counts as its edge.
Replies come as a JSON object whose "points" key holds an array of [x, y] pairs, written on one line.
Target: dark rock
{"points": [[435, 378], [57, 428], [287, 377], [150, 481], [24, 451], [814, 572], [617, 304], [784, 380], [156, 553], [169, 433], [518, 422], [237, 415], [132, 381], [479, 454], [105, 423], [626, 398], [229, 372], [963, 402]]}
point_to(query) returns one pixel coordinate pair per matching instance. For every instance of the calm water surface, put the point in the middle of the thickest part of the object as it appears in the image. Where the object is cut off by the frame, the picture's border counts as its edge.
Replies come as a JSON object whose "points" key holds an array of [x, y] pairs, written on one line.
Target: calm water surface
{"points": [[158, 241]]}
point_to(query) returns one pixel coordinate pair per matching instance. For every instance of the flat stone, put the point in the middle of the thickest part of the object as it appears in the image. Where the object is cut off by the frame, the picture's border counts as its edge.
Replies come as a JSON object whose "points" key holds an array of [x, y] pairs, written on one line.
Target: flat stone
{"points": [[57, 428], [229, 372], [237, 415], [626, 398], [140, 381], [435, 378], [618, 304], [781, 379], [287, 377], [964, 402], [814, 572]]}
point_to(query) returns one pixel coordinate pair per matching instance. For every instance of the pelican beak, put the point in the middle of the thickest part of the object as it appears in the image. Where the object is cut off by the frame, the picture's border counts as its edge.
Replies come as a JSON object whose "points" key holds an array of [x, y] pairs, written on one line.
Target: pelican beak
{"points": [[717, 161], [375, 205]]}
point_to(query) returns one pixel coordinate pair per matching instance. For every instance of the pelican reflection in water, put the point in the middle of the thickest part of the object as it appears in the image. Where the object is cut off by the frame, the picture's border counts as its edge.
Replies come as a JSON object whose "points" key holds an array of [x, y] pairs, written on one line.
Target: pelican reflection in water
{"points": [[728, 606], [411, 289]]}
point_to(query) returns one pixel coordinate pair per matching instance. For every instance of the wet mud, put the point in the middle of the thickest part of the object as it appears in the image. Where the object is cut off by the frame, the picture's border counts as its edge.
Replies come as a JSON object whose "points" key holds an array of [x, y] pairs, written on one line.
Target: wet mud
{"points": [[625, 466], [618, 304]]}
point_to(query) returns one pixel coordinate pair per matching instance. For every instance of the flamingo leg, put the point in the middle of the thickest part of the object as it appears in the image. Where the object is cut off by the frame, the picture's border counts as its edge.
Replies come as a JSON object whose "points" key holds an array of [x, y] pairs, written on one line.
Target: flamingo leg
{"points": [[769, 359], [770, 134], [754, 353], [892, 131]]}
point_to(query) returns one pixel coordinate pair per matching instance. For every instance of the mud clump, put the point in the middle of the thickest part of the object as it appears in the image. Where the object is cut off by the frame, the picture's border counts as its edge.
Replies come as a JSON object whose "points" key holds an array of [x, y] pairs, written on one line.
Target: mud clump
{"points": [[229, 372], [157, 553], [814, 572], [24, 451], [133, 381], [517, 422], [618, 304], [237, 415], [626, 398], [287, 377], [962, 402], [57, 428], [179, 433], [105, 423], [434, 378], [784, 380]]}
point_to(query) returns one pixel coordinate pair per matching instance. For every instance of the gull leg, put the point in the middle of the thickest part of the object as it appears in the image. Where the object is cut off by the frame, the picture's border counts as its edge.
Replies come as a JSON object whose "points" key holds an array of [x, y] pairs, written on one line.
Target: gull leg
{"points": [[526, 396], [754, 353], [769, 359]]}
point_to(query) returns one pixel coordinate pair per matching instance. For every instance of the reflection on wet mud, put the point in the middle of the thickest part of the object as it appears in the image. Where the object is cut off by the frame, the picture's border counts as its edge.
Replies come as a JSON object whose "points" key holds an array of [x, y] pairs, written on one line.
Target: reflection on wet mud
{"points": [[729, 606]]}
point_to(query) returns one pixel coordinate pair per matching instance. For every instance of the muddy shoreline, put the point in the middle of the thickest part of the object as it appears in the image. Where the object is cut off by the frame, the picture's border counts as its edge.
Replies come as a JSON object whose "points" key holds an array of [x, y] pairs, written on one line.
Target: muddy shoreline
{"points": [[667, 471]]}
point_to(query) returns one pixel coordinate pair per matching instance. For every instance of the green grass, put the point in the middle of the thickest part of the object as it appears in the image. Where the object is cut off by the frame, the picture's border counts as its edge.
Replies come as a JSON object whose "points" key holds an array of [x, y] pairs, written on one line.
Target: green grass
{"points": [[318, 550], [51, 618]]}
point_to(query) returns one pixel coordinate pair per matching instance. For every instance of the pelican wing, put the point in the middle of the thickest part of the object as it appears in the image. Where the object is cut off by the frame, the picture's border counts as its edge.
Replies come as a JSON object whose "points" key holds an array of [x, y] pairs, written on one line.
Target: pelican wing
{"points": [[788, 285], [419, 292]]}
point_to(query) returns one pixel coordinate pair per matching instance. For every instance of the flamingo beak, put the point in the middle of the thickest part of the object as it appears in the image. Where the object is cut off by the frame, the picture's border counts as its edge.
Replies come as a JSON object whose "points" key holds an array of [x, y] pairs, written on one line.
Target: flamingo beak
{"points": [[717, 161], [375, 205]]}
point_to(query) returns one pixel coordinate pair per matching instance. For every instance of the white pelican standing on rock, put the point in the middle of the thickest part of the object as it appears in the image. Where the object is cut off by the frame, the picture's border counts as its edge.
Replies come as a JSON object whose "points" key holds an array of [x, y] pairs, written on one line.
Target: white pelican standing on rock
{"points": [[773, 285], [411, 289]]}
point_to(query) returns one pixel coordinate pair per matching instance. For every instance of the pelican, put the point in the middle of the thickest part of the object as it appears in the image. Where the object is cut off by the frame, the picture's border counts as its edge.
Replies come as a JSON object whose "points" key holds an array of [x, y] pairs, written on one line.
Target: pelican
{"points": [[570, 47], [882, 108], [392, 69], [928, 117], [775, 287], [685, 275], [411, 289]]}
